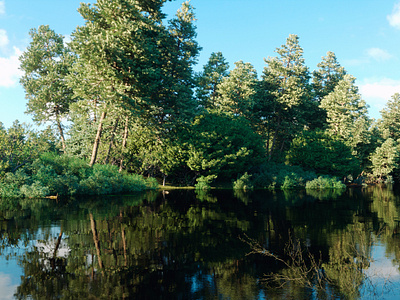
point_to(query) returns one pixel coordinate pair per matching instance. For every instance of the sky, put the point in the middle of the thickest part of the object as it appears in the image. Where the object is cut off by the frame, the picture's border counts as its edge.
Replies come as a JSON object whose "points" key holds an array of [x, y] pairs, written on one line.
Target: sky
{"points": [[364, 35]]}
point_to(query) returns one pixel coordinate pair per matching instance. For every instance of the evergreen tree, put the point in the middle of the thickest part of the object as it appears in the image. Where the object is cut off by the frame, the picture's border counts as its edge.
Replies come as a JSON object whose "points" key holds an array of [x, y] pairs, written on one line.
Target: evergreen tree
{"points": [[324, 154], [324, 81], [328, 75], [207, 81], [384, 160], [119, 55], [284, 102], [46, 63], [237, 91], [181, 56], [390, 123], [347, 115]]}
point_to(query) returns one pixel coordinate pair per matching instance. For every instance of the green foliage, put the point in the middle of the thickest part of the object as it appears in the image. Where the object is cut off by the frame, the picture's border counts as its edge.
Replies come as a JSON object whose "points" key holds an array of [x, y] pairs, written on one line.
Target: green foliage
{"points": [[223, 145], [52, 174], [324, 81], [237, 91], [347, 117], [105, 179], [209, 79], [11, 182], [46, 63], [279, 176], [317, 151], [35, 190], [20, 145], [390, 125], [243, 183], [384, 160], [284, 101], [204, 182], [325, 182], [328, 75]]}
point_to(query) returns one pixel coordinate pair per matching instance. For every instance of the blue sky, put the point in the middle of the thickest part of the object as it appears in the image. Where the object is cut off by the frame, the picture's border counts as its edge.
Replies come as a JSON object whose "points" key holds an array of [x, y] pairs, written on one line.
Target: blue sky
{"points": [[364, 34]]}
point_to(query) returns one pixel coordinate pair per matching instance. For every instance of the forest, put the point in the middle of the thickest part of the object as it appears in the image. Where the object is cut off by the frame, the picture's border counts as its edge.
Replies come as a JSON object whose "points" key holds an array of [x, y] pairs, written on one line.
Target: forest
{"points": [[125, 111]]}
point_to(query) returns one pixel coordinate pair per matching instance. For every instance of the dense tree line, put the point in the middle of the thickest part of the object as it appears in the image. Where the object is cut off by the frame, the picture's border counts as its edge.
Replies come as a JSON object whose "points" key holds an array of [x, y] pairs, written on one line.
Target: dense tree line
{"points": [[124, 92]]}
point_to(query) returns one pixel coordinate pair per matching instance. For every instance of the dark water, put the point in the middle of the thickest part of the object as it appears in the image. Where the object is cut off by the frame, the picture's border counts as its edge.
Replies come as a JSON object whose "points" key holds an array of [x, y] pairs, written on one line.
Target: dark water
{"points": [[179, 245]]}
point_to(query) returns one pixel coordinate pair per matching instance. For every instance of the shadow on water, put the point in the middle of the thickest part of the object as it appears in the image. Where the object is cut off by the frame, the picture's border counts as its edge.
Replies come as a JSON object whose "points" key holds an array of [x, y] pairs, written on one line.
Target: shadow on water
{"points": [[218, 245]]}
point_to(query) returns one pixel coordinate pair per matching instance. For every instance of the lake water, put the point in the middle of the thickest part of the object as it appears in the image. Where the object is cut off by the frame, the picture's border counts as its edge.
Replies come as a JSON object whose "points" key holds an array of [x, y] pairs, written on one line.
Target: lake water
{"points": [[220, 245]]}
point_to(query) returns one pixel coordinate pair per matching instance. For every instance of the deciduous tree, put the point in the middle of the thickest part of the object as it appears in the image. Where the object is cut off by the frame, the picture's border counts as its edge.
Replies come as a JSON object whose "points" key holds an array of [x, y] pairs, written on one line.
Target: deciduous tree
{"points": [[46, 63]]}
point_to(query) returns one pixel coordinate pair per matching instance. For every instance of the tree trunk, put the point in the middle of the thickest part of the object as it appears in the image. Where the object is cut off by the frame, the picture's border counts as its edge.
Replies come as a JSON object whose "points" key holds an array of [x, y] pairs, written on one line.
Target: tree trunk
{"points": [[111, 141], [97, 139], [124, 141], [61, 132], [96, 241], [273, 146]]}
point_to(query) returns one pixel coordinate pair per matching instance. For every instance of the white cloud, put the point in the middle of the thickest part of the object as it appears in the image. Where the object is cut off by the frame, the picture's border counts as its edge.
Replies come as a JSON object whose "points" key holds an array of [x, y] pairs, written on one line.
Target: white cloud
{"points": [[6, 287], [376, 92], [368, 55], [394, 17], [379, 54], [2, 8], [9, 69], [3, 38]]}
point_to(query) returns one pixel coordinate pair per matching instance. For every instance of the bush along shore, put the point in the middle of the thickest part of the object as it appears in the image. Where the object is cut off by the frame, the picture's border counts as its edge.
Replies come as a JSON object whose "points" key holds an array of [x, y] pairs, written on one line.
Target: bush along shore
{"points": [[52, 174]]}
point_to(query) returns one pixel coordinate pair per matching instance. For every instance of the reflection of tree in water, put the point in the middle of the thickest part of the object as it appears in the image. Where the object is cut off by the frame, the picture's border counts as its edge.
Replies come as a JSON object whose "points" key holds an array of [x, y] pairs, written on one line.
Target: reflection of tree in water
{"points": [[120, 253], [385, 205], [341, 275], [180, 245]]}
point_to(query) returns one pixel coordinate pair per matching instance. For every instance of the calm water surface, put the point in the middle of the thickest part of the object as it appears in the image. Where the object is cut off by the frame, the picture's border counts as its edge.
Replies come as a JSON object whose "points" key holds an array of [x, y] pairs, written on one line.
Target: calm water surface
{"points": [[220, 245]]}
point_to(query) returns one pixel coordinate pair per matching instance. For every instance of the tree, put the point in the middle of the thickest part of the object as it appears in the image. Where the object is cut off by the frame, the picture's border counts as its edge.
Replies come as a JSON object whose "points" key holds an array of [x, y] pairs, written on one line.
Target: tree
{"points": [[347, 115], [116, 48], [222, 145], [390, 123], [328, 75], [324, 81], [284, 101], [237, 91], [20, 145], [46, 63], [207, 80], [384, 160], [178, 60], [128, 59], [324, 154]]}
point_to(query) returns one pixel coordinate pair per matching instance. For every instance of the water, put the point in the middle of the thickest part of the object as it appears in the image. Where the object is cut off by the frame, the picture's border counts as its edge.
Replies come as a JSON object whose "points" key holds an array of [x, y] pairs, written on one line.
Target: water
{"points": [[181, 245]]}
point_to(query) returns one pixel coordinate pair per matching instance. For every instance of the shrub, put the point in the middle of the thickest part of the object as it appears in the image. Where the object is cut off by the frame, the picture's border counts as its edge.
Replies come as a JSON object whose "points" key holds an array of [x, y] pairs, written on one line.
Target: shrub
{"points": [[12, 182], [325, 182], [151, 183], [243, 183], [65, 175], [275, 176], [35, 190], [204, 182]]}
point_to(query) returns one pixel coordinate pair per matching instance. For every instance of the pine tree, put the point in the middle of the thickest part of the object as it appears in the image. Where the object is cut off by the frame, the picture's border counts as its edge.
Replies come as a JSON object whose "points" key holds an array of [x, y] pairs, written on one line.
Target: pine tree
{"points": [[384, 160], [119, 55], [237, 91], [213, 73], [179, 55], [390, 123], [284, 102], [324, 81], [347, 115], [328, 75]]}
